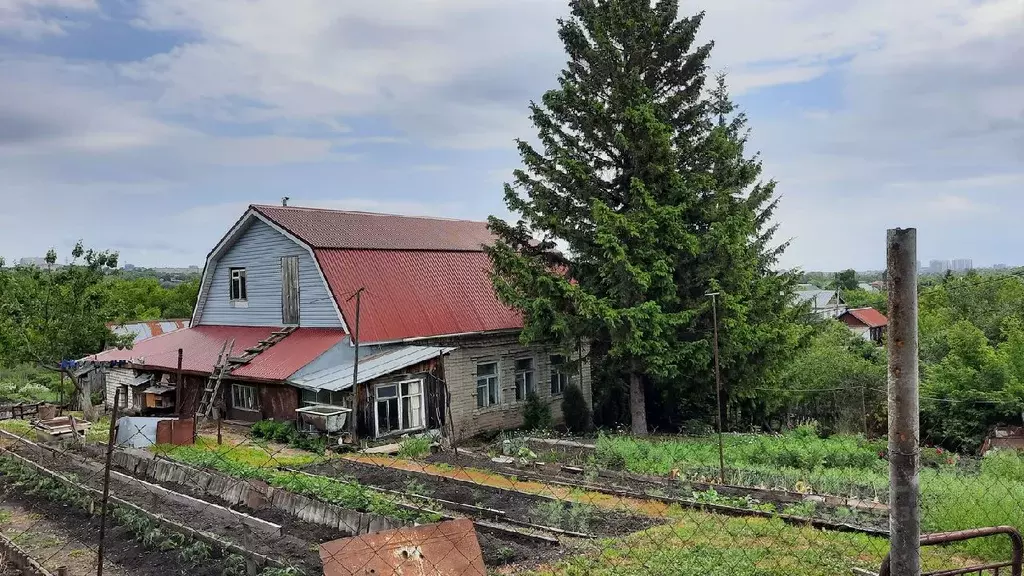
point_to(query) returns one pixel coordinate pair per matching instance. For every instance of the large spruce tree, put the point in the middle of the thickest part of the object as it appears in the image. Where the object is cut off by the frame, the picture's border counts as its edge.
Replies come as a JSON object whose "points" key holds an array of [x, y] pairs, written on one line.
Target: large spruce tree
{"points": [[638, 202]]}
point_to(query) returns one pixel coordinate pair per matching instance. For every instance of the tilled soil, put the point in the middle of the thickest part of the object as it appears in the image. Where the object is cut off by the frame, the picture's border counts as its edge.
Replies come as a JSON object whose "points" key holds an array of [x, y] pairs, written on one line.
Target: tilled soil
{"points": [[516, 505], [60, 535], [289, 548], [653, 485]]}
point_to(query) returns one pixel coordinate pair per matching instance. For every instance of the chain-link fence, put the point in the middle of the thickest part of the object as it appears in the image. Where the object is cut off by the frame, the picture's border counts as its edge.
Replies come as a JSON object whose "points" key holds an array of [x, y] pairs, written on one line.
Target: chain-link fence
{"points": [[267, 499]]}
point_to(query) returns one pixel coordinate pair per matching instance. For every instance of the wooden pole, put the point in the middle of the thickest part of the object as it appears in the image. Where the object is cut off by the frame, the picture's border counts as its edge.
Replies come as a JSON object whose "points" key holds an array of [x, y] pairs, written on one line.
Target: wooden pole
{"points": [[904, 418], [177, 386], [353, 426], [106, 479]]}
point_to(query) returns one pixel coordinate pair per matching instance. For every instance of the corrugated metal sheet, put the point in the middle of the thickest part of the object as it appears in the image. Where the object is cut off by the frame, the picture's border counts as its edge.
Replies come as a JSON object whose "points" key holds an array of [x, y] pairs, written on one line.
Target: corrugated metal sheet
{"points": [[201, 344], [380, 364], [149, 329], [817, 298], [869, 316], [364, 230], [412, 294]]}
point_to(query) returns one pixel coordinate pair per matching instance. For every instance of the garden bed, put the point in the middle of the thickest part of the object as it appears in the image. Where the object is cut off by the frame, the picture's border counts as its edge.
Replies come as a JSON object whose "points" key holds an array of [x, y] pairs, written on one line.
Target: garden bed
{"points": [[288, 548], [845, 512], [499, 548]]}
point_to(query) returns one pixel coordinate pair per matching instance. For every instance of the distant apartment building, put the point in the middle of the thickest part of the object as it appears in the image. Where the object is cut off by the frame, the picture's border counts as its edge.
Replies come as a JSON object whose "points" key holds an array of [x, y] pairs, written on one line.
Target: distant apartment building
{"points": [[35, 261], [962, 265], [939, 266]]}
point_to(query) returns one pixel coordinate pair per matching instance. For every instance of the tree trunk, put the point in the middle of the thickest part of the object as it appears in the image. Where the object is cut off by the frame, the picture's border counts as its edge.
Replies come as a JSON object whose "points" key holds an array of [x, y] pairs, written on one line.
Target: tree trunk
{"points": [[637, 404], [89, 412]]}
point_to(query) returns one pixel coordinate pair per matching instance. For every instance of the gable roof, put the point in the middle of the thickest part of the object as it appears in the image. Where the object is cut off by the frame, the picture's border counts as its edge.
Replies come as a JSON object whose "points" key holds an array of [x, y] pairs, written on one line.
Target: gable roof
{"points": [[819, 298], [322, 228], [869, 317]]}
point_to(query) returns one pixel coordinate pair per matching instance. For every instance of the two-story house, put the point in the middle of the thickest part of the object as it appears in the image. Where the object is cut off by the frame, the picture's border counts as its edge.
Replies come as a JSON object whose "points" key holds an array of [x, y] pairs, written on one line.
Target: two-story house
{"points": [[286, 287]]}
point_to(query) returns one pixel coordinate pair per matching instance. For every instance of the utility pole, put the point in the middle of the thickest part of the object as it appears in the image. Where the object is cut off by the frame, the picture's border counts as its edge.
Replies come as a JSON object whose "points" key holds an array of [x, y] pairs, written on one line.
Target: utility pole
{"points": [[355, 372], [904, 423], [111, 435], [718, 390]]}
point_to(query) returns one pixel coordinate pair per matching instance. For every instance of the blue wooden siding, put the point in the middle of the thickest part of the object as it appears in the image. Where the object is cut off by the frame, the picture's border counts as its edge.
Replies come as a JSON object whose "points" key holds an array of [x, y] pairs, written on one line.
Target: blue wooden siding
{"points": [[259, 250]]}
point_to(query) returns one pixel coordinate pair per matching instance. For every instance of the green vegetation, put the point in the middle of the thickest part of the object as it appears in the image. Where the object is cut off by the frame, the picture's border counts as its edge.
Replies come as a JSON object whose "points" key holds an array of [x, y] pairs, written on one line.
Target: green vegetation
{"points": [[574, 517], [956, 493], [286, 433], [575, 410], [415, 447], [28, 383], [246, 462], [536, 413], [639, 201]]}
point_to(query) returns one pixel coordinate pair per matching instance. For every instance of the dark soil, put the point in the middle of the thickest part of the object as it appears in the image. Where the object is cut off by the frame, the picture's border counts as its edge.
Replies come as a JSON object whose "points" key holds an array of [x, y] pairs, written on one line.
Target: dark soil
{"points": [[516, 505], [120, 546], [288, 548], [653, 485]]}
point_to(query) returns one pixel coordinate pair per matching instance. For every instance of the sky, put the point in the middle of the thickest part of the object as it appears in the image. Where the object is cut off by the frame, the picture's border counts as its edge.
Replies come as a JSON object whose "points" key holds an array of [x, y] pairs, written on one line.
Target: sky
{"points": [[147, 126]]}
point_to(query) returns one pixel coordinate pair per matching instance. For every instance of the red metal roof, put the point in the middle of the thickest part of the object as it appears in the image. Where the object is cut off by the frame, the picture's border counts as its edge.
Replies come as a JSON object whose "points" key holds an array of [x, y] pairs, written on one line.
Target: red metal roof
{"points": [[322, 228], [411, 294], [869, 317], [202, 344]]}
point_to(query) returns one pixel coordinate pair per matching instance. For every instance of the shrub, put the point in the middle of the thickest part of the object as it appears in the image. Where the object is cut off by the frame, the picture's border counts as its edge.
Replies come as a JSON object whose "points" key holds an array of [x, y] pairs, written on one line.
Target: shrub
{"points": [[283, 432], [1003, 464], [536, 414], [575, 410], [415, 447]]}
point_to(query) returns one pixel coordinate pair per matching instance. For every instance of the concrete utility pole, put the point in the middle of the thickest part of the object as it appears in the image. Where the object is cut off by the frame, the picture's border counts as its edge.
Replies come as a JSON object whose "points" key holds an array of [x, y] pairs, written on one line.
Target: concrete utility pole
{"points": [[904, 420], [718, 390]]}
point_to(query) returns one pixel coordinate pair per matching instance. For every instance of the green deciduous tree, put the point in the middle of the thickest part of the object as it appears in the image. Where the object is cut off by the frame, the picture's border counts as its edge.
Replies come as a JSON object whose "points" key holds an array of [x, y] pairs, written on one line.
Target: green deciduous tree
{"points": [[845, 280], [639, 200], [58, 313]]}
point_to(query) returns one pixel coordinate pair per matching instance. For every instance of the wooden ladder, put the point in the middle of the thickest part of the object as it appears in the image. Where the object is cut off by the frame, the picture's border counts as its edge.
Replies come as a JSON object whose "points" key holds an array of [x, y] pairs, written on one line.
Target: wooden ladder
{"points": [[261, 346], [222, 367]]}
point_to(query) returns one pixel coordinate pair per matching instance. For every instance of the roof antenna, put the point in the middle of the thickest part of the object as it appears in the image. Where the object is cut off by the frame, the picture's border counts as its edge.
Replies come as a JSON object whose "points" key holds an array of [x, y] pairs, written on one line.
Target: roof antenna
{"points": [[284, 201]]}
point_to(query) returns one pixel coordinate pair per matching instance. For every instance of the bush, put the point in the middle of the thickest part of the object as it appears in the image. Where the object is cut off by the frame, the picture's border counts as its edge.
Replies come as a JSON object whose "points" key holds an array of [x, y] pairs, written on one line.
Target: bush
{"points": [[282, 432], [415, 447], [1003, 464], [575, 410], [536, 414]]}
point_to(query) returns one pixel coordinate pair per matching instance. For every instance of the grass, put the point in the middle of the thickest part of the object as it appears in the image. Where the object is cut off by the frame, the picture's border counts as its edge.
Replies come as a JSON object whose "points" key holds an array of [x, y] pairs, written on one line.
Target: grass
{"points": [[955, 493], [720, 546], [19, 427]]}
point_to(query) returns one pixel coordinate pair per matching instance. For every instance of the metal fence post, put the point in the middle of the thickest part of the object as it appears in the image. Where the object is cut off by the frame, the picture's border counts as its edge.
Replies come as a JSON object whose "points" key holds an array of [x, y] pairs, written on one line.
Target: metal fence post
{"points": [[904, 421]]}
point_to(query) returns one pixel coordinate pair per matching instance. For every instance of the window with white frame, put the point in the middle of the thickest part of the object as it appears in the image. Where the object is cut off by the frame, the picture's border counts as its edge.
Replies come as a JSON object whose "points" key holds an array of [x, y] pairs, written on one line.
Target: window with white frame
{"points": [[486, 384], [238, 287], [399, 407], [559, 375], [524, 379], [244, 397]]}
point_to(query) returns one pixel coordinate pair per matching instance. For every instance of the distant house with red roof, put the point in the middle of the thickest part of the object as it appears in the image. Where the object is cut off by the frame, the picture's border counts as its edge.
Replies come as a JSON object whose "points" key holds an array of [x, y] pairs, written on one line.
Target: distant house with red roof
{"points": [[279, 290], [866, 322]]}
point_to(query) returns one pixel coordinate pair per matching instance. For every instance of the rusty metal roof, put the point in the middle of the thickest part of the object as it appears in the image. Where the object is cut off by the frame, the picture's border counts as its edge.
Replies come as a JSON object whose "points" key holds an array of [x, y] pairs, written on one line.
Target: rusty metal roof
{"points": [[322, 228], [444, 549], [869, 317], [416, 294], [202, 344], [147, 329]]}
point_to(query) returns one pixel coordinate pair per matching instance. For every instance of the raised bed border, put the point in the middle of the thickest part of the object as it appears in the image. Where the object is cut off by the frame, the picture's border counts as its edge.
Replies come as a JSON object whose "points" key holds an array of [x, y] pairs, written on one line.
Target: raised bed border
{"points": [[96, 497], [21, 560]]}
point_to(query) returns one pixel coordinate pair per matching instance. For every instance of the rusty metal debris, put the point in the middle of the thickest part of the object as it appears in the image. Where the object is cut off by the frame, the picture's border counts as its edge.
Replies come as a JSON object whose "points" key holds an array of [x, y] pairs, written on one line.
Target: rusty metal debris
{"points": [[448, 548], [1008, 437], [1014, 564]]}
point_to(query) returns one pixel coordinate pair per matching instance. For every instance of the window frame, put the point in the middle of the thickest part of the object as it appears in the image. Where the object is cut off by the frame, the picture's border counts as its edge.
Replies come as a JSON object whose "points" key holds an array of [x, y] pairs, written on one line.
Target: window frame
{"points": [[496, 377], [240, 275], [529, 378], [559, 379], [403, 427], [244, 391]]}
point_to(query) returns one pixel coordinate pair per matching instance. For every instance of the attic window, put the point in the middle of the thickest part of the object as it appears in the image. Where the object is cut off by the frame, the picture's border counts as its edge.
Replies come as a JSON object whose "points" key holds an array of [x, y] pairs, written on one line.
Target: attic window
{"points": [[238, 289]]}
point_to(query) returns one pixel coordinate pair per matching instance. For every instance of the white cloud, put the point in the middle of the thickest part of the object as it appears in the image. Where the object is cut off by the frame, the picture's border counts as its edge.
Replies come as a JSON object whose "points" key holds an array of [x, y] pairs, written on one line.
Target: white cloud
{"points": [[33, 19]]}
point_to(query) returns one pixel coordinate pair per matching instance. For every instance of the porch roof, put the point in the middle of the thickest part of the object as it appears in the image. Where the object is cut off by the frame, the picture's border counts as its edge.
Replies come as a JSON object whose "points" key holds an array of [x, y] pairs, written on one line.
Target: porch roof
{"points": [[389, 360]]}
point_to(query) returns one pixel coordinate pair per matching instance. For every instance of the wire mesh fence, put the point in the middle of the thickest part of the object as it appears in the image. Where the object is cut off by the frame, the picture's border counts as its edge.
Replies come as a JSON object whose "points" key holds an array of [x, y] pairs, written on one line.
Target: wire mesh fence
{"points": [[270, 500]]}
